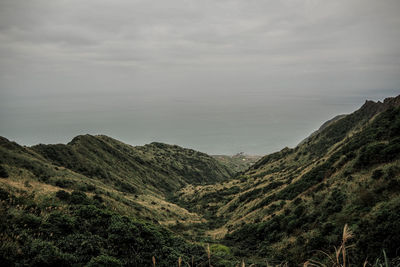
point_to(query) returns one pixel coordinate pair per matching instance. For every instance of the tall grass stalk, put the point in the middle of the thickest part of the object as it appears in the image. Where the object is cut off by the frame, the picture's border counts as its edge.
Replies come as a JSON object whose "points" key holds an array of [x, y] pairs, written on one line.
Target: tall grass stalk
{"points": [[341, 254], [209, 255]]}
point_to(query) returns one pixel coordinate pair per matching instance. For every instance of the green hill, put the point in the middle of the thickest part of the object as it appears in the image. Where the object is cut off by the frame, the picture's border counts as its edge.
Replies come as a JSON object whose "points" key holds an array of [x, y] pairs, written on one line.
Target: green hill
{"points": [[61, 186], [156, 167], [136, 180], [295, 202]]}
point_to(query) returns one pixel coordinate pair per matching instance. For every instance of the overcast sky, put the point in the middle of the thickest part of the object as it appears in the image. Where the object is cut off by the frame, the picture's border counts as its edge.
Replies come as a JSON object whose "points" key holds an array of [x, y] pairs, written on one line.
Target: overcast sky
{"points": [[219, 76]]}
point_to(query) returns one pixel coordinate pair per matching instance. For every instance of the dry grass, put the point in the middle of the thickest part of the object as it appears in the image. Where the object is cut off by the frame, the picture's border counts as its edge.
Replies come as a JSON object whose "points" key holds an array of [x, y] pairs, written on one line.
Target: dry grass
{"points": [[340, 258], [217, 233]]}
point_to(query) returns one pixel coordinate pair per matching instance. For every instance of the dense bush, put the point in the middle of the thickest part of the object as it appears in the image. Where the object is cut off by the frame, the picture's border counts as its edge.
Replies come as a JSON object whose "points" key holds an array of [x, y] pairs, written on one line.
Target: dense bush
{"points": [[63, 195], [380, 231], [85, 234], [377, 174], [64, 183], [78, 197], [378, 153]]}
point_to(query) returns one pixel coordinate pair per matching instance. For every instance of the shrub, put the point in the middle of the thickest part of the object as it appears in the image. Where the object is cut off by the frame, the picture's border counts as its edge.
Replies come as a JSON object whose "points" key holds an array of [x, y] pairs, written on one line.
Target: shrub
{"points": [[78, 197], [98, 198], [8, 252], [63, 195], [3, 194], [377, 174], [3, 172], [64, 183], [43, 253], [378, 153], [84, 246], [30, 220], [58, 224]]}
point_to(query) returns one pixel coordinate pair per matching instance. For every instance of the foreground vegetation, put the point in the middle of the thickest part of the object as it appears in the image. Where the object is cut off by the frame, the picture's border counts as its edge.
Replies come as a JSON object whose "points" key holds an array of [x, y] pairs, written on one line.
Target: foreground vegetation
{"points": [[73, 229]]}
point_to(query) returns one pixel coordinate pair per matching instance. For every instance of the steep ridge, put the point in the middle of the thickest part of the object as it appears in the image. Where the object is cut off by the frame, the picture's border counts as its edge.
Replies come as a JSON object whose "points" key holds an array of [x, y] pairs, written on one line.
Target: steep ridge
{"points": [[296, 201], [323, 126]]}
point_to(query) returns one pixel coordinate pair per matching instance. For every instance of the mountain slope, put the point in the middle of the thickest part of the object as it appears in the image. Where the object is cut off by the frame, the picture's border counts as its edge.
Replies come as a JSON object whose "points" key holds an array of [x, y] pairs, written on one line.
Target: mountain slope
{"points": [[132, 180], [156, 167], [296, 201], [97, 202]]}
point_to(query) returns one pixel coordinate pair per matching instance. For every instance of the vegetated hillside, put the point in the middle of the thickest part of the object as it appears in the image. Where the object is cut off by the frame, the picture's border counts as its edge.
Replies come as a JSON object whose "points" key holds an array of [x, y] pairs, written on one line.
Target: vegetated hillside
{"points": [[31, 172], [73, 229], [323, 126], [237, 163], [292, 203], [136, 179], [157, 167], [97, 202]]}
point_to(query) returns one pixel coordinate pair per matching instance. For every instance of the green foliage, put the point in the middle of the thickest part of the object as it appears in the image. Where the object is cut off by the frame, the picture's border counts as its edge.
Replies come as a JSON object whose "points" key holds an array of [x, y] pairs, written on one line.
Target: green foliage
{"points": [[256, 193], [377, 174], [272, 157], [64, 183], [313, 177], [126, 187], [104, 260], [338, 130], [43, 253], [3, 172], [85, 234], [381, 230], [378, 153], [132, 169], [78, 197], [63, 195], [3, 194], [219, 248], [361, 197]]}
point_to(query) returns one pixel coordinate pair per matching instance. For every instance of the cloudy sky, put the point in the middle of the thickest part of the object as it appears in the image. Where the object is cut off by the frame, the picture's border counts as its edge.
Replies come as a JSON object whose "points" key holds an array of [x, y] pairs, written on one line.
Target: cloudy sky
{"points": [[220, 76]]}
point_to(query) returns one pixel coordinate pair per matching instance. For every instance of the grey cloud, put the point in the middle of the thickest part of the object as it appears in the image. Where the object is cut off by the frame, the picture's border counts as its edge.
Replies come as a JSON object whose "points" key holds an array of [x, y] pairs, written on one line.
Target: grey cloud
{"points": [[214, 66]]}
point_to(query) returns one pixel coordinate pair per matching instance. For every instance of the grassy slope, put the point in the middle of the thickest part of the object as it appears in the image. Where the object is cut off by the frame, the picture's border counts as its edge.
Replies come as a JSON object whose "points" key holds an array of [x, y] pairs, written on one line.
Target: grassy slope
{"points": [[132, 180], [101, 176], [156, 167], [297, 200]]}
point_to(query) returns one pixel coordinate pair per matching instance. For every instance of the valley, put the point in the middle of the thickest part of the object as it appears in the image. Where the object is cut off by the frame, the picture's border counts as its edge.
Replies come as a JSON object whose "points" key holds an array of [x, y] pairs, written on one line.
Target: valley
{"points": [[99, 202]]}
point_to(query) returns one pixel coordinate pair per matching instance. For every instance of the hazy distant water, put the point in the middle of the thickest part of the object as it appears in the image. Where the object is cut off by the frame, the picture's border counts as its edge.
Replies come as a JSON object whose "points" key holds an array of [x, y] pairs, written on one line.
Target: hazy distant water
{"points": [[215, 123]]}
